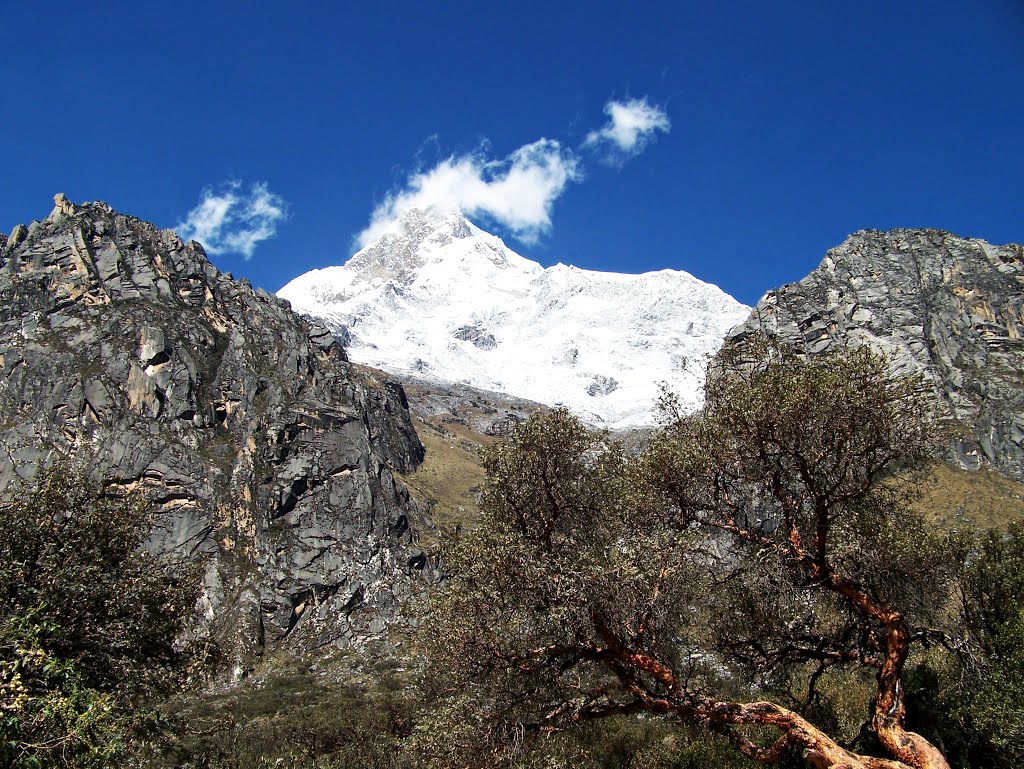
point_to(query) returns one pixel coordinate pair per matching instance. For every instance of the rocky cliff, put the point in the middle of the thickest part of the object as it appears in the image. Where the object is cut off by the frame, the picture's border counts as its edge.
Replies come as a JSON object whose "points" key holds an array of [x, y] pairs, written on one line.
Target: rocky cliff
{"points": [[268, 456], [950, 307]]}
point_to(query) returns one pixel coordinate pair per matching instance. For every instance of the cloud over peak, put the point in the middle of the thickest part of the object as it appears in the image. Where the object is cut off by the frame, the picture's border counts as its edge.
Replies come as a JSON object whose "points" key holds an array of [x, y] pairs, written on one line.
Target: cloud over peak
{"points": [[631, 125], [517, 192], [233, 220]]}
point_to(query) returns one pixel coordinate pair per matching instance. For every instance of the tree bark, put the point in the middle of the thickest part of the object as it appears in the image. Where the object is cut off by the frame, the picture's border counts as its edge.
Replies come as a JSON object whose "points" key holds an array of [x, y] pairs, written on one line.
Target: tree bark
{"points": [[911, 750], [819, 750]]}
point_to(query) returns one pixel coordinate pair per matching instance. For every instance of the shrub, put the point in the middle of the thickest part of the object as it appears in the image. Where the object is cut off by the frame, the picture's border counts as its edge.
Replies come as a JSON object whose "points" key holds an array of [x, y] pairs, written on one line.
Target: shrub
{"points": [[88, 620]]}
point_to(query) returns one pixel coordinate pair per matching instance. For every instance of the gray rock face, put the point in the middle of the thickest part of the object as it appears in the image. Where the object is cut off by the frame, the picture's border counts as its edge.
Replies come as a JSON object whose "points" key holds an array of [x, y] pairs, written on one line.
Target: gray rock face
{"points": [[602, 385], [477, 336], [267, 454], [950, 307]]}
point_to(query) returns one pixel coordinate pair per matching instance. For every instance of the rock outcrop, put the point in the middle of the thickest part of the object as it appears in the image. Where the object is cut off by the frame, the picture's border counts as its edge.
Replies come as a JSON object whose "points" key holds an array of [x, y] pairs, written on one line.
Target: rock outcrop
{"points": [[268, 456], [950, 307]]}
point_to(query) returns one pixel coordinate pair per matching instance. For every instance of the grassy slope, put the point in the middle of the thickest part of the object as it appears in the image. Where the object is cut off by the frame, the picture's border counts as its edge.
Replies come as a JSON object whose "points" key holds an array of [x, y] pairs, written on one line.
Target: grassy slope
{"points": [[451, 475], [981, 499], [454, 424]]}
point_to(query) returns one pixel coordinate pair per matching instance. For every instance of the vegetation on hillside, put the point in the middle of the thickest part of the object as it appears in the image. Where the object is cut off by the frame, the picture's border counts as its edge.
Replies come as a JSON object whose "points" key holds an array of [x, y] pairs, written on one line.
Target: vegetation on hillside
{"points": [[758, 571], [973, 702], [764, 583], [88, 624]]}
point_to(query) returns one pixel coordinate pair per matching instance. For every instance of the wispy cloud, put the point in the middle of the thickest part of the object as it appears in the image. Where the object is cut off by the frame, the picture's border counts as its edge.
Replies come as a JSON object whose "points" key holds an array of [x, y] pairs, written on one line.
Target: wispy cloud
{"points": [[632, 124], [517, 192], [233, 220]]}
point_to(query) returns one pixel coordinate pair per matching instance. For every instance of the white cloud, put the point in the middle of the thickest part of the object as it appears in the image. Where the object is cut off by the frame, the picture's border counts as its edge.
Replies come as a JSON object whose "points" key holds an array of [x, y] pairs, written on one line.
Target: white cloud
{"points": [[517, 192], [631, 126], [231, 220]]}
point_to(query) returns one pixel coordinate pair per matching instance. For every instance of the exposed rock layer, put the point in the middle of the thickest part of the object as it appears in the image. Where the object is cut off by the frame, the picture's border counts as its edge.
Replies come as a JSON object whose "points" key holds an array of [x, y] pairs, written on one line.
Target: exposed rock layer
{"points": [[947, 306], [265, 451]]}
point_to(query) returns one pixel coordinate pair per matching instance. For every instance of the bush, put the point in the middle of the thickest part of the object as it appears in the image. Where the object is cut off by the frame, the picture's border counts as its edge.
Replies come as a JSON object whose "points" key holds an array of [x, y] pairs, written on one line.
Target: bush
{"points": [[975, 702], [755, 565], [88, 621]]}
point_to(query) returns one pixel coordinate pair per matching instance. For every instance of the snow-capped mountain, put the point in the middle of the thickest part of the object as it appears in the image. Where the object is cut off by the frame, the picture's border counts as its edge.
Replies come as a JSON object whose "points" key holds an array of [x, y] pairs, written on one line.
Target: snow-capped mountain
{"points": [[439, 298]]}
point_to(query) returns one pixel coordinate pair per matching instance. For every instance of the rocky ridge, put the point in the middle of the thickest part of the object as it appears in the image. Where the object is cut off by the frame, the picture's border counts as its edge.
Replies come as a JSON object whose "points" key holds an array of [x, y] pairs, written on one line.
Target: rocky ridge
{"points": [[949, 307], [267, 454]]}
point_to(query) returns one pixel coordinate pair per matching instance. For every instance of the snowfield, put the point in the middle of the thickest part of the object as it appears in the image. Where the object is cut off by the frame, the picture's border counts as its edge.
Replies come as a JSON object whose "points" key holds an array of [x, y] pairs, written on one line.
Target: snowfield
{"points": [[441, 299]]}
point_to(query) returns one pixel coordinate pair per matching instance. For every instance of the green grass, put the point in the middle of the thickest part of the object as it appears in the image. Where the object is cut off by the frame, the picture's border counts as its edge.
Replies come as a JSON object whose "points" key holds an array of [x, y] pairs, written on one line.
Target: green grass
{"points": [[292, 714], [450, 476]]}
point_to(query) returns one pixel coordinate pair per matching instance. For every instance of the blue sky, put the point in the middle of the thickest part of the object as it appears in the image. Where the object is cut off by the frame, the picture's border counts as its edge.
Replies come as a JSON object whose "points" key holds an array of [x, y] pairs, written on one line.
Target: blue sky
{"points": [[784, 126]]}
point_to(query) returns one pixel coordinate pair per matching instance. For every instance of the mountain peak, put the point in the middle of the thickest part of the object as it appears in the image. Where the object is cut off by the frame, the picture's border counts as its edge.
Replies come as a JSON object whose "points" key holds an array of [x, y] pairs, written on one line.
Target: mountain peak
{"points": [[431, 246], [401, 249], [439, 298], [105, 256], [946, 307], [418, 225]]}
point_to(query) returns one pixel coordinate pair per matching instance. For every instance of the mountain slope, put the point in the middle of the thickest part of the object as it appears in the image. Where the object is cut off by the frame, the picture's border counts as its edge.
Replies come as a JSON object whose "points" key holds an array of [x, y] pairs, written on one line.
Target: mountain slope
{"points": [[949, 307], [268, 455], [440, 298]]}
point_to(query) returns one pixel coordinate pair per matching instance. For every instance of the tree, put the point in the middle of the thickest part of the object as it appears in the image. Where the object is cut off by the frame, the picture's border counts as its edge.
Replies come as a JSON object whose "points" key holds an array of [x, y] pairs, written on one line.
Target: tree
{"points": [[751, 571], [974, 701], [992, 708], [88, 621]]}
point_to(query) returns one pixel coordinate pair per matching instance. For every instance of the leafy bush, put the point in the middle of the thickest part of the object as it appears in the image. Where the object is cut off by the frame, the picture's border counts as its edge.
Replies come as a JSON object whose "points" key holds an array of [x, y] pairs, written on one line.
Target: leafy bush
{"points": [[88, 621], [50, 716], [291, 718], [974, 702]]}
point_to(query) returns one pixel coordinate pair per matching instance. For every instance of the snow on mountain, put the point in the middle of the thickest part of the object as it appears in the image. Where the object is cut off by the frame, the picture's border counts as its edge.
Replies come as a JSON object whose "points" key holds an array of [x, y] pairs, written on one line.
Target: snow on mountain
{"points": [[439, 298]]}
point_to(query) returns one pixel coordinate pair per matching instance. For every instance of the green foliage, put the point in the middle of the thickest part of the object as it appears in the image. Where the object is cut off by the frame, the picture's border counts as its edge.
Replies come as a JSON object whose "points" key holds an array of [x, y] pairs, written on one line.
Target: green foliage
{"points": [[630, 743], [764, 548], [809, 467], [292, 719], [975, 702], [297, 720], [88, 621], [50, 716]]}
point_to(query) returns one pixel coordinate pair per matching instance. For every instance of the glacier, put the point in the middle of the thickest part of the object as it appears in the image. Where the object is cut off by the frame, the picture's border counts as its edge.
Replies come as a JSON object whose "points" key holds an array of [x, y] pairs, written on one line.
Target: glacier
{"points": [[437, 298]]}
